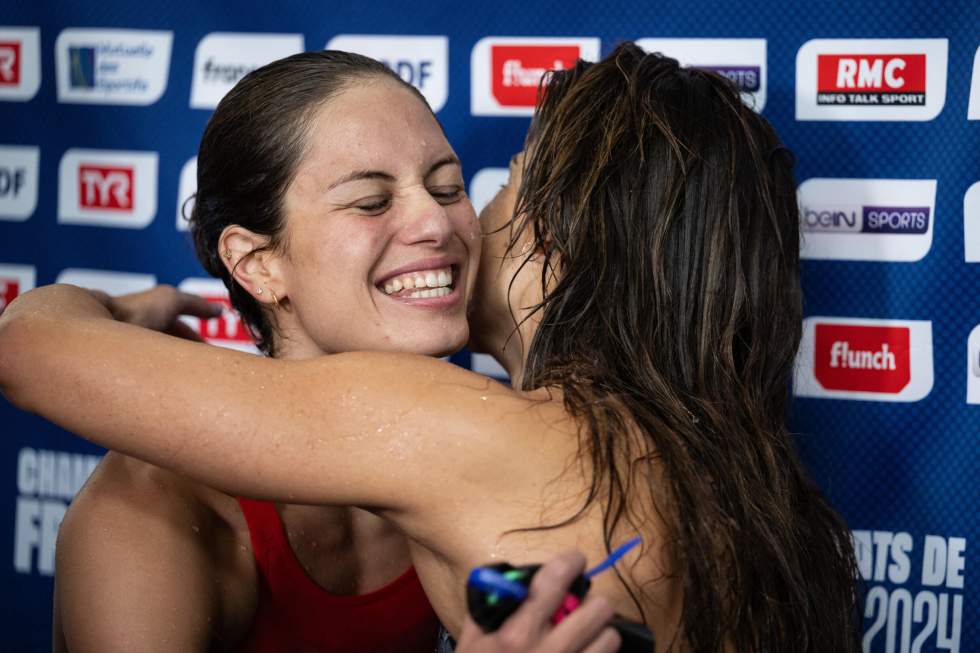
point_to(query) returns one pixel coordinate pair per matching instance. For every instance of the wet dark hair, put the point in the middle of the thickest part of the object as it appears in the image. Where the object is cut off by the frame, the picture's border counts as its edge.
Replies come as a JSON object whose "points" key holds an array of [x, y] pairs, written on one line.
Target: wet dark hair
{"points": [[665, 212], [249, 153]]}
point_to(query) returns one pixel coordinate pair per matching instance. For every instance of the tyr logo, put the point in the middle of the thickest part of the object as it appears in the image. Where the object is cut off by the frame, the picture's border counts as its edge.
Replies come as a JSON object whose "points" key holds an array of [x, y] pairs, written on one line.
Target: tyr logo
{"points": [[102, 187]]}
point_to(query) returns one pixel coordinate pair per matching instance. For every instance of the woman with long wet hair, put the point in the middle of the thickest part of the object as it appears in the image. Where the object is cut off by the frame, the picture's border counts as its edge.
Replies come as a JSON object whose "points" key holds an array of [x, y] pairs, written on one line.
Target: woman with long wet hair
{"points": [[640, 283]]}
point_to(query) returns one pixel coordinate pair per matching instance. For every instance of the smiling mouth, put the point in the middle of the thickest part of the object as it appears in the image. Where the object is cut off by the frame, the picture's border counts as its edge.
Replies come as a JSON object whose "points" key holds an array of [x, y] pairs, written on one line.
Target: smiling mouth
{"points": [[421, 284]]}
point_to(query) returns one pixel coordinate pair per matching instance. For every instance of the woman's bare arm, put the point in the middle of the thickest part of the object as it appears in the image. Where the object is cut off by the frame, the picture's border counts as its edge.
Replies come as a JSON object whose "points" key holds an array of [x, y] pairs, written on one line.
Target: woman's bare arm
{"points": [[354, 429]]}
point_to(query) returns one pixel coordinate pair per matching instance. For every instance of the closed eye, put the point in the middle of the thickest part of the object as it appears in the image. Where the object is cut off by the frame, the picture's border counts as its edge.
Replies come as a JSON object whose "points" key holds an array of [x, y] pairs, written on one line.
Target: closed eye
{"points": [[447, 194]]}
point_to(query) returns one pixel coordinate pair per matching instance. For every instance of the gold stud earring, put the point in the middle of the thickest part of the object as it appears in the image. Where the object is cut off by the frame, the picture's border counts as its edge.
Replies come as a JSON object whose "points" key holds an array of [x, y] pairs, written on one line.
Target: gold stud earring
{"points": [[258, 291], [228, 254]]}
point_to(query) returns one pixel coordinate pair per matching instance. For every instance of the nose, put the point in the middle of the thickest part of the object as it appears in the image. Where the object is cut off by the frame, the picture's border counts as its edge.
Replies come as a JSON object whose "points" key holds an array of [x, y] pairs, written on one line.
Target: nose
{"points": [[425, 221]]}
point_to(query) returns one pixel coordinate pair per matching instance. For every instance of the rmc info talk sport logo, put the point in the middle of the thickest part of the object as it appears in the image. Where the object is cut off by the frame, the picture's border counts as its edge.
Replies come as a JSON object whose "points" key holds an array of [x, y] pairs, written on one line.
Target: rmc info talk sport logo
{"points": [[867, 219], [505, 71], [873, 360], [871, 79]]}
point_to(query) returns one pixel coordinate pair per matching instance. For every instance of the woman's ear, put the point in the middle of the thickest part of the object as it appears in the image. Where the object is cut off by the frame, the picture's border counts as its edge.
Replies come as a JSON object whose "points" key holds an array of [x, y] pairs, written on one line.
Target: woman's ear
{"points": [[252, 263]]}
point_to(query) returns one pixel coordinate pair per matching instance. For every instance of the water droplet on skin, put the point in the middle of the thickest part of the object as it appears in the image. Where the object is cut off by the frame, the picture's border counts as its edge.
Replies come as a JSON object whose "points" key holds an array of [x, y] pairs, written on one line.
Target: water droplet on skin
{"points": [[196, 529]]}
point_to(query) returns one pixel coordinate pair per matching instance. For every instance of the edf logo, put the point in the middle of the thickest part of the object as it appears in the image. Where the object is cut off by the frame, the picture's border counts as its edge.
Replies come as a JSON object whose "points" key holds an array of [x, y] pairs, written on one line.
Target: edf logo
{"points": [[12, 180], [413, 72], [10, 63], [102, 187]]}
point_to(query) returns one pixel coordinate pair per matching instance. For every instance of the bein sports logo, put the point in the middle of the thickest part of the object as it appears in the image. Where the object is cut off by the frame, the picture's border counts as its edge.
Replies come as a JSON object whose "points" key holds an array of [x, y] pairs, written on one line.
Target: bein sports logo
{"points": [[227, 330], [110, 188], [867, 219], [871, 79], [506, 72], [15, 280], [877, 360], [742, 61], [20, 63], [112, 66]]}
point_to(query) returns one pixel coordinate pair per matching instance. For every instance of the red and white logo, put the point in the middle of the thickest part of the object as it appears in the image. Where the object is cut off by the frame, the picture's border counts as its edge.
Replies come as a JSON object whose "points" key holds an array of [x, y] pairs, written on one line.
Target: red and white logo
{"points": [[109, 281], [14, 280], [105, 187], [228, 330], [877, 360], [20, 63], [110, 188], [871, 79], [506, 71]]}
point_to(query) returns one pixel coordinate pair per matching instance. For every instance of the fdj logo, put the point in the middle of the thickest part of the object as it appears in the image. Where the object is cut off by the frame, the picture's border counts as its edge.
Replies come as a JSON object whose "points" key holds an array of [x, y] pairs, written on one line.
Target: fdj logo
{"points": [[413, 72], [862, 358], [517, 70], [82, 67], [226, 327], [9, 63], [886, 79], [9, 289], [102, 187]]}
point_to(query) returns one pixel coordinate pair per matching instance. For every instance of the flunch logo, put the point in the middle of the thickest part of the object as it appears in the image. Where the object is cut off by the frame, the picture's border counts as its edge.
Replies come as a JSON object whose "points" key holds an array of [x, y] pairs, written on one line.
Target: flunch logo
{"points": [[517, 70], [865, 358], [871, 79], [867, 219], [228, 330], [223, 58], [109, 188], [18, 181], [20, 62], [879, 360], [105, 187], [742, 61], [422, 61], [112, 66], [15, 280], [505, 72]]}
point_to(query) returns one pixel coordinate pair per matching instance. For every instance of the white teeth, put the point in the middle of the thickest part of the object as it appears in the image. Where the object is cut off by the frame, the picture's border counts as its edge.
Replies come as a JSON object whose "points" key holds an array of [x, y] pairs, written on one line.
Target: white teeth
{"points": [[433, 279], [430, 292]]}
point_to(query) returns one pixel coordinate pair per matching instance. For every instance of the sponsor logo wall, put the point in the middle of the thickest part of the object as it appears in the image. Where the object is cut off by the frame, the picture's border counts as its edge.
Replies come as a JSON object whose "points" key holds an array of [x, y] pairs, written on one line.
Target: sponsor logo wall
{"points": [[101, 112]]}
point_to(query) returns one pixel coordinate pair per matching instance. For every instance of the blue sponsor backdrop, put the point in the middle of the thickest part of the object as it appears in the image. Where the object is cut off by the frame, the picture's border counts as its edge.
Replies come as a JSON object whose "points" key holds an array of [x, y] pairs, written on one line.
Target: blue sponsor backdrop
{"points": [[904, 474]]}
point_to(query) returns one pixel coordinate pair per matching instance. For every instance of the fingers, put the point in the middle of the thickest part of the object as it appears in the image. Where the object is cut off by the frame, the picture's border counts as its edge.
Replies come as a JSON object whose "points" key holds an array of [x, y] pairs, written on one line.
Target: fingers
{"points": [[583, 626], [181, 330], [550, 585], [188, 304], [608, 642]]}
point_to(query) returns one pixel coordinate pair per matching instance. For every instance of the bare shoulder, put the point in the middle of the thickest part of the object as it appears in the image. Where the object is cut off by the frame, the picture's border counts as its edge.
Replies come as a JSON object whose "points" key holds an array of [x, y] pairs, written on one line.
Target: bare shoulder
{"points": [[136, 530]]}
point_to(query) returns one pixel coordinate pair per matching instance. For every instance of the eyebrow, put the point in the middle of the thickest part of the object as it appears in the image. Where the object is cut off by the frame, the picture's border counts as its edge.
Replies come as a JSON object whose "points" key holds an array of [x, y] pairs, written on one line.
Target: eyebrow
{"points": [[380, 174]]}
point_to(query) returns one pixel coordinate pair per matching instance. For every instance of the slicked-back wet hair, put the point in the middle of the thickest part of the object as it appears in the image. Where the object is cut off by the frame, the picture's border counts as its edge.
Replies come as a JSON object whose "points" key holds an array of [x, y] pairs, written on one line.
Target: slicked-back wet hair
{"points": [[666, 213], [249, 153]]}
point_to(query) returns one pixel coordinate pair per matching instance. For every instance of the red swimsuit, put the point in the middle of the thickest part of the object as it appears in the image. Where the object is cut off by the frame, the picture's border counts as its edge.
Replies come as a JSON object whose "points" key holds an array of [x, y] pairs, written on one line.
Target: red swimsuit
{"points": [[296, 615]]}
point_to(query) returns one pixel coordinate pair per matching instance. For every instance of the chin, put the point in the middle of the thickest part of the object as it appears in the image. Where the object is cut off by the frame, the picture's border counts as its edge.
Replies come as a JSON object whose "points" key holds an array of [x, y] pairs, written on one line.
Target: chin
{"points": [[445, 346]]}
